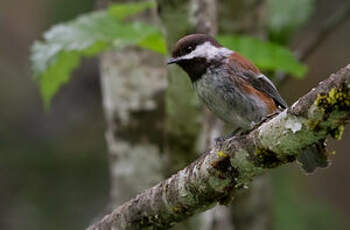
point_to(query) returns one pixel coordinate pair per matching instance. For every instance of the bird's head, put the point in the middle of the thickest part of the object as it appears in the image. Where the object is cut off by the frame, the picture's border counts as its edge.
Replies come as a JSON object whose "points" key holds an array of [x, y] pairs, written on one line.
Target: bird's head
{"points": [[196, 52]]}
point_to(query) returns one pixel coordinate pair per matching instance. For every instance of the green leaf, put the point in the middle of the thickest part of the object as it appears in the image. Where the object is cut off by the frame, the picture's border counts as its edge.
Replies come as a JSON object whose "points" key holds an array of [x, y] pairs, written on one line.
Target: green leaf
{"points": [[154, 42], [266, 55], [64, 45], [123, 10]]}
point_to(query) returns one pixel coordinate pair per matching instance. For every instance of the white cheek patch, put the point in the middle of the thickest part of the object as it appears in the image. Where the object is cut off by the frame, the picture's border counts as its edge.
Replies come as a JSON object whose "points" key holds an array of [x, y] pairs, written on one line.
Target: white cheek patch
{"points": [[208, 51]]}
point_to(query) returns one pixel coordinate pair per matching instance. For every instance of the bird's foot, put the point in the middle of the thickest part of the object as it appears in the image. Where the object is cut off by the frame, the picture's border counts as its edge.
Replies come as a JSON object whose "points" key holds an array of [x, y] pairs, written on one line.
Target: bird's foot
{"points": [[268, 117], [236, 132], [219, 140]]}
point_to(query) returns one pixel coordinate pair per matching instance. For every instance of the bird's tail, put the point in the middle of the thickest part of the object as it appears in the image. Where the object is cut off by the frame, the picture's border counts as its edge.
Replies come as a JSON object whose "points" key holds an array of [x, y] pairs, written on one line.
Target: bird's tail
{"points": [[314, 156]]}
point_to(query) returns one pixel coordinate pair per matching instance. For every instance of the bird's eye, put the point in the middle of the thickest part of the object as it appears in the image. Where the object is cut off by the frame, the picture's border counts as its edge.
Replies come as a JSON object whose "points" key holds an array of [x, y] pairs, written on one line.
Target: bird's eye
{"points": [[190, 48]]}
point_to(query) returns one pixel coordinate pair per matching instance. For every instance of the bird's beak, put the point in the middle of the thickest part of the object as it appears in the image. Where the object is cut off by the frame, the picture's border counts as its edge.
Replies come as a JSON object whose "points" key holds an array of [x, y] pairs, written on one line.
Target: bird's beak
{"points": [[173, 60]]}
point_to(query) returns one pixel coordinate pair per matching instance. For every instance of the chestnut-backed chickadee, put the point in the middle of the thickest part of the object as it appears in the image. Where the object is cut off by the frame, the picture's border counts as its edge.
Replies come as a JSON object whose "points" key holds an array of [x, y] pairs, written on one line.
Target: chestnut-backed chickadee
{"points": [[229, 84]]}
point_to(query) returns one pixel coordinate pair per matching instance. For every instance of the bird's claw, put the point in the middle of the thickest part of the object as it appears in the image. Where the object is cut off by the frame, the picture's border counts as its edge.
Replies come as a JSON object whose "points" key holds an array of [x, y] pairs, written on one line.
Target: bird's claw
{"points": [[219, 140]]}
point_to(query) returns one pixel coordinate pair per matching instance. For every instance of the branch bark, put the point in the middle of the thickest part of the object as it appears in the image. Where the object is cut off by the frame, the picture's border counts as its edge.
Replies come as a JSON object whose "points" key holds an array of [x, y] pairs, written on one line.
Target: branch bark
{"points": [[228, 167]]}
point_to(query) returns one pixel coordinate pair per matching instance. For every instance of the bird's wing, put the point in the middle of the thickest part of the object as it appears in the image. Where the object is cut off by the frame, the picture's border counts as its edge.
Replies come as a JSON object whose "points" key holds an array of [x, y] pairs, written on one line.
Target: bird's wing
{"points": [[264, 84], [248, 71]]}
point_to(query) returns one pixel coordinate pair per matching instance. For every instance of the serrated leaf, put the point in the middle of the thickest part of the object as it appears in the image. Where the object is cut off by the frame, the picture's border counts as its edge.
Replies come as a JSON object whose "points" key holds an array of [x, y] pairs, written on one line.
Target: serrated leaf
{"points": [[266, 55], [64, 45]]}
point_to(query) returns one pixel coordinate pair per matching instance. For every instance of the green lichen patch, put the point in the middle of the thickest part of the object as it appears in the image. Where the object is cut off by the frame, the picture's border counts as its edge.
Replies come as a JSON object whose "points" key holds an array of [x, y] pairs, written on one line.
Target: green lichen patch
{"points": [[222, 154], [337, 133], [265, 158], [313, 156], [225, 170], [314, 125], [246, 169], [150, 222], [335, 99], [180, 209]]}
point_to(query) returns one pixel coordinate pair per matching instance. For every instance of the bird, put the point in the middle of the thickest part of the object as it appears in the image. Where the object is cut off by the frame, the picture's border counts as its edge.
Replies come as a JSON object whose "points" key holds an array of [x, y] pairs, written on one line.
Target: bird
{"points": [[231, 86]]}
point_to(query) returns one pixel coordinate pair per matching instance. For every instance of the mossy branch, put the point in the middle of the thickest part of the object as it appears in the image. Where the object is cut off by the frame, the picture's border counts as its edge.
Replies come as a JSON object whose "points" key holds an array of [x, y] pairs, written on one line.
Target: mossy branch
{"points": [[230, 166]]}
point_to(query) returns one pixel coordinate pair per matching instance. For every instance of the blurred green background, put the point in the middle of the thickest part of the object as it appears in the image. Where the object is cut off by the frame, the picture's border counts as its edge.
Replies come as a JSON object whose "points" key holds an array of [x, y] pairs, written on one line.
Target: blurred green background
{"points": [[53, 165]]}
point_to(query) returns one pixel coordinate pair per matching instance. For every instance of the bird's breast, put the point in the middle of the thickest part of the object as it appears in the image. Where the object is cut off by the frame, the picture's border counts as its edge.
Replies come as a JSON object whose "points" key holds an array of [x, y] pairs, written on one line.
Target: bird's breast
{"points": [[229, 101]]}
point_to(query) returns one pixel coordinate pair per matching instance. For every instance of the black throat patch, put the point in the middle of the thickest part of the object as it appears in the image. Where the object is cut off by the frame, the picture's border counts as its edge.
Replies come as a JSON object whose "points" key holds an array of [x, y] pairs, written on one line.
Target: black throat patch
{"points": [[194, 67]]}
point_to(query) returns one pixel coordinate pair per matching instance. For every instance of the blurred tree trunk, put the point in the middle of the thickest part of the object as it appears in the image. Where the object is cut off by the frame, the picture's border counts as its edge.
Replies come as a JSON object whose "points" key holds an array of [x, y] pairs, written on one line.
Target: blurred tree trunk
{"points": [[243, 16], [133, 84]]}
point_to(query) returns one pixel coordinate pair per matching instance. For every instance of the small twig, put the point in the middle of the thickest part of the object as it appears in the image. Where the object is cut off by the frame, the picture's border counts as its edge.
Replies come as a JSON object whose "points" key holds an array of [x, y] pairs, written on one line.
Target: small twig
{"points": [[326, 29], [329, 26]]}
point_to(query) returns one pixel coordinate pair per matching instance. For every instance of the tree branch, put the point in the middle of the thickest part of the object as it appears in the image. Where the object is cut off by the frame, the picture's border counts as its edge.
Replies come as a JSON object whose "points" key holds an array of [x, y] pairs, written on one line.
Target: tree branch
{"points": [[231, 165]]}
